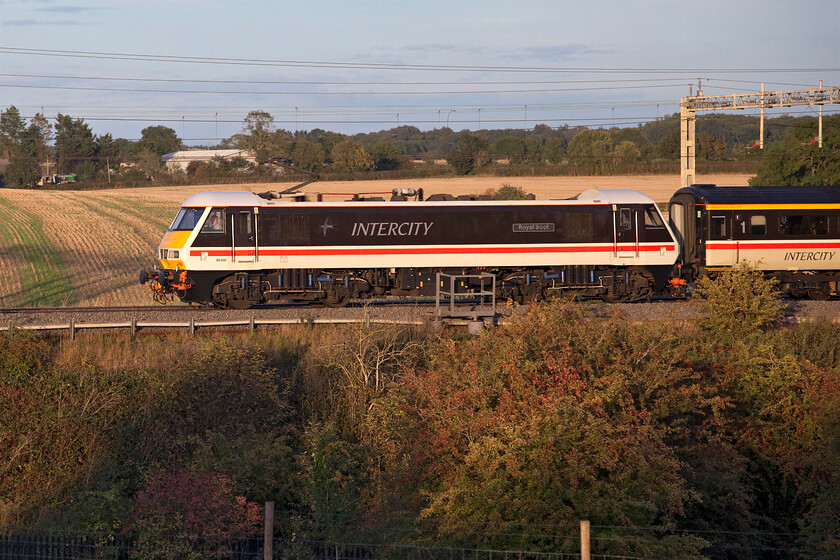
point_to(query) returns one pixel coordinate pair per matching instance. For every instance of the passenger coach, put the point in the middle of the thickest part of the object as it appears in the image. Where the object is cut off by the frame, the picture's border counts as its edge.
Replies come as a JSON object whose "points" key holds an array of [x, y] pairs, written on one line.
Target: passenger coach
{"points": [[791, 233], [237, 249]]}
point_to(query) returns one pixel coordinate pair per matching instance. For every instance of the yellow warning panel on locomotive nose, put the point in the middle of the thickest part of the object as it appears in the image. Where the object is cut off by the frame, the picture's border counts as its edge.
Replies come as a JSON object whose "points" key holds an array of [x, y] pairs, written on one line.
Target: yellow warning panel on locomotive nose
{"points": [[174, 239]]}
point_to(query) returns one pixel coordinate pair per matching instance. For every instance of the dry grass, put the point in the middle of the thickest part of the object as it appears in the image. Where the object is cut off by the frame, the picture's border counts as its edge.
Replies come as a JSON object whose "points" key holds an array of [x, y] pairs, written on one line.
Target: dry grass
{"points": [[86, 247]]}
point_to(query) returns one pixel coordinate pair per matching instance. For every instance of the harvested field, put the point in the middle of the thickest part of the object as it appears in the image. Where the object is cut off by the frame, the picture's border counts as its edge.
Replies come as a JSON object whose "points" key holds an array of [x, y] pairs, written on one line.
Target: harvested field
{"points": [[85, 248]]}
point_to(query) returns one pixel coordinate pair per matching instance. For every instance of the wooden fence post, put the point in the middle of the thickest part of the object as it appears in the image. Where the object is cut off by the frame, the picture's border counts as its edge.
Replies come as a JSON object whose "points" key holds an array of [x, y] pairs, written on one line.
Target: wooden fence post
{"points": [[268, 546], [584, 540]]}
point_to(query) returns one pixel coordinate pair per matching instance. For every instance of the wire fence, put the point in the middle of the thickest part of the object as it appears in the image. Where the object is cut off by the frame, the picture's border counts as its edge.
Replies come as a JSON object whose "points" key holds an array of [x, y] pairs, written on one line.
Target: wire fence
{"points": [[38, 546]]}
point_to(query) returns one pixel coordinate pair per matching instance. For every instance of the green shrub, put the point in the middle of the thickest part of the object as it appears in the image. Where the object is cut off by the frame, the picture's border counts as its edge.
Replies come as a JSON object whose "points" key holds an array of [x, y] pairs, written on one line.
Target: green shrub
{"points": [[739, 301]]}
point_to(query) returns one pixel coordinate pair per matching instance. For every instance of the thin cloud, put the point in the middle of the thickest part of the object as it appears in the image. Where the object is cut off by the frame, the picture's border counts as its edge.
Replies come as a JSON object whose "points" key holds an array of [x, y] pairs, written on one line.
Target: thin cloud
{"points": [[40, 22], [558, 52], [64, 9]]}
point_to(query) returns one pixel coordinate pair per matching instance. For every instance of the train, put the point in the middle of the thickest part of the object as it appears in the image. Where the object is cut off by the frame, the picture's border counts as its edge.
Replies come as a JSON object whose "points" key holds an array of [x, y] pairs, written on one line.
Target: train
{"points": [[240, 249]]}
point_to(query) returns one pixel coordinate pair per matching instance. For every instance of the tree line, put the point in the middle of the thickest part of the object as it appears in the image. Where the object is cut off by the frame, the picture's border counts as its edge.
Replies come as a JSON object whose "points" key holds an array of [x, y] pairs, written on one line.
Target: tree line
{"points": [[39, 147]]}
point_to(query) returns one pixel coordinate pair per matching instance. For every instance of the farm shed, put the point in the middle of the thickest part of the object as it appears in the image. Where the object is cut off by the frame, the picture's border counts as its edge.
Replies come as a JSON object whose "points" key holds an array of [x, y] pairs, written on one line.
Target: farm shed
{"points": [[181, 159]]}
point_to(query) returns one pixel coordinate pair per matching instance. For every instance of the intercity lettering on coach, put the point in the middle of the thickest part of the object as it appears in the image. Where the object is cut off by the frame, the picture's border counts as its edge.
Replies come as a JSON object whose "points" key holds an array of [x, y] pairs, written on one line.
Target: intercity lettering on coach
{"points": [[810, 255], [384, 229]]}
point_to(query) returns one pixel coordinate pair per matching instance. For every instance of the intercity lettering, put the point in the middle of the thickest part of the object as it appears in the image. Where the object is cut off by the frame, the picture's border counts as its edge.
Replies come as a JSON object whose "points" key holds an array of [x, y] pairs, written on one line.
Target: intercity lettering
{"points": [[810, 255], [383, 229]]}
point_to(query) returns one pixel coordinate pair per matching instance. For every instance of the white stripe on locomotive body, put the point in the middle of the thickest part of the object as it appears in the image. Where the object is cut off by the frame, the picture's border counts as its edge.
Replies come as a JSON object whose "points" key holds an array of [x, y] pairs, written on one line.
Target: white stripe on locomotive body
{"points": [[660, 253], [776, 254], [650, 254]]}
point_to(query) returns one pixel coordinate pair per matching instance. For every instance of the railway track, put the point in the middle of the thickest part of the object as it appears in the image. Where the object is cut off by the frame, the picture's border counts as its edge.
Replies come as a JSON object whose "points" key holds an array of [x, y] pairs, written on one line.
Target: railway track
{"points": [[399, 309], [106, 309]]}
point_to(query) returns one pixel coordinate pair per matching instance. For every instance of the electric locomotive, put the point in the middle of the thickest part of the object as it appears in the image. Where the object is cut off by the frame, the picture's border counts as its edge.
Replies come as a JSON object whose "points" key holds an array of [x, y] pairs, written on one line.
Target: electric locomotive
{"points": [[790, 233], [239, 249]]}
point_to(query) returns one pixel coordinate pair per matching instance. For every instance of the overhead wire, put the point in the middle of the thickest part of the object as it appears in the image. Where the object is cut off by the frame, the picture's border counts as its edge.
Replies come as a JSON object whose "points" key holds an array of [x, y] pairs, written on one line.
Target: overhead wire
{"points": [[387, 66]]}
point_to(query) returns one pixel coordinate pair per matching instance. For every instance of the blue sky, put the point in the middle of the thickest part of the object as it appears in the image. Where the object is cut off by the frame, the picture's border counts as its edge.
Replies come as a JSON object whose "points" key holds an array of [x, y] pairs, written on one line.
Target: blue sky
{"points": [[200, 66]]}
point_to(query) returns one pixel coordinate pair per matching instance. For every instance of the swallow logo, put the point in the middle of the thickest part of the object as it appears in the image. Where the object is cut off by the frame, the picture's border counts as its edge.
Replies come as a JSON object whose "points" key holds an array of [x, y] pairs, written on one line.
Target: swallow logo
{"points": [[327, 226]]}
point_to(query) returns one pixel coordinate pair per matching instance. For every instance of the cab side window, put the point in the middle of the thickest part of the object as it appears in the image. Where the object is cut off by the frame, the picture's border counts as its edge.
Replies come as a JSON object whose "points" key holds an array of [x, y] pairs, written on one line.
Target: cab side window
{"points": [[215, 222], [652, 219]]}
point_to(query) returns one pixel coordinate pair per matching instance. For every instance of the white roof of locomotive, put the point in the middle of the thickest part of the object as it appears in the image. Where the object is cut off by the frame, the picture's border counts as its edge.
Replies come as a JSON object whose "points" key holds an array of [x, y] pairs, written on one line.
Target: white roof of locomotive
{"points": [[245, 198], [614, 196]]}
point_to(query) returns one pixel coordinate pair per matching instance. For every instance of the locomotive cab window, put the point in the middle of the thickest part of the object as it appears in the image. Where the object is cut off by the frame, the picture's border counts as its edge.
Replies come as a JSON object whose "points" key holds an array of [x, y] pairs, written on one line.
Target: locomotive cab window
{"points": [[652, 219], [187, 219], [215, 222], [718, 227], [758, 225], [803, 225]]}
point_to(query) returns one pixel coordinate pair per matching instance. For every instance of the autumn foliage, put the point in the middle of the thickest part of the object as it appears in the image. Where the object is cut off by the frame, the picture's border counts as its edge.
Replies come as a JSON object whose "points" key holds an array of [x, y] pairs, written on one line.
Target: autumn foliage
{"points": [[675, 442]]}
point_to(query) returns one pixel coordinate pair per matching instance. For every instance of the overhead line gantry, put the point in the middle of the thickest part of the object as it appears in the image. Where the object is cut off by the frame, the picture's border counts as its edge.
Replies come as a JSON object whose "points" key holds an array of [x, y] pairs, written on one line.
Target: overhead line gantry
{"points": [[761, 100]]}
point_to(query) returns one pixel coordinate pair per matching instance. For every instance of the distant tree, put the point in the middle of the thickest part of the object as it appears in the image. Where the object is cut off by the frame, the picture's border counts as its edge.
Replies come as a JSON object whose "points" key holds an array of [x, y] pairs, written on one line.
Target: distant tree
{"points": [[626, 153], [258, 137], [329, 141], [511, 192], [74, 143], [508, 147], [635, 136], [591, 151], [798, 160], [471, 152], [22, 145], [149, 163], [109, 151], [386, 156], [349, 155], [554, 151], [41, 133], [307, 155], [12, 130], [669, 146], [159, 140], [710, 148], [22, 171]]}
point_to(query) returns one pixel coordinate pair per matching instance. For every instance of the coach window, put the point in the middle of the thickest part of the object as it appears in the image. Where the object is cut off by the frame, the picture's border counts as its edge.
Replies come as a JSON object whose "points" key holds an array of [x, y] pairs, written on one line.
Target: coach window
{"points": [[758, 225], [803, 225], [215, 222], [718, 226]]}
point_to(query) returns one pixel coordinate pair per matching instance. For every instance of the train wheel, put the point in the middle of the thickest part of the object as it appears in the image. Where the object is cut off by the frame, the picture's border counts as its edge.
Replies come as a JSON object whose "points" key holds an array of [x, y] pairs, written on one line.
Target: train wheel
{"points": [[615, 298], [337, 303], [820, 293], [338, 296], [234, 303], [229, 295], [643, 283]]}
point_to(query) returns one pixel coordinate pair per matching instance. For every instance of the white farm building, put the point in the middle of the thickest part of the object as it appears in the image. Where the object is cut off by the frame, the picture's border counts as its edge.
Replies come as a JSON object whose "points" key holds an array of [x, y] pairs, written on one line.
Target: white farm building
{"points": [[181, 159]]}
